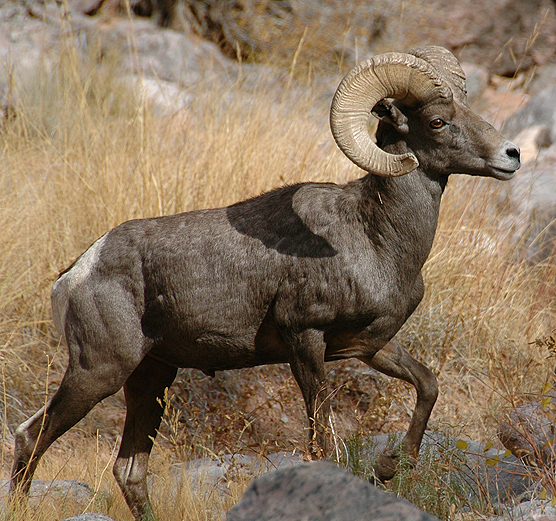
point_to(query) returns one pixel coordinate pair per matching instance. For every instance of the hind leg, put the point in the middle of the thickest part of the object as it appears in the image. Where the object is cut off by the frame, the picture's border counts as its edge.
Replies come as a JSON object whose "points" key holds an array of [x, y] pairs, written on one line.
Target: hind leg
{"points": [[144, 393], [80, 390], [105, 344], [394, 360]]}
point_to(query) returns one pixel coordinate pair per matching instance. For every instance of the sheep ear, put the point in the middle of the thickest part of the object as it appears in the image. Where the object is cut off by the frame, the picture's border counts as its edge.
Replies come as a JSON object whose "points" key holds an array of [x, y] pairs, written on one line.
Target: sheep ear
{"points": [[385, 110]]}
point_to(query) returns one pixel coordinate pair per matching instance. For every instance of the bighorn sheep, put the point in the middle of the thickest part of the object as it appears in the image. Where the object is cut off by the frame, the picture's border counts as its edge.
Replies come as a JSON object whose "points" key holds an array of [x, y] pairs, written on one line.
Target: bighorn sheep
{"points": [[303, 274]]}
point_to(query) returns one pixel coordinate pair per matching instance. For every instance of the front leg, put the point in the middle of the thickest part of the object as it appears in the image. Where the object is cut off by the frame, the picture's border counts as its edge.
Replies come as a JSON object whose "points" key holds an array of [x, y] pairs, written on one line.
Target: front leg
{"points": [[394, 360], [307, 365]]}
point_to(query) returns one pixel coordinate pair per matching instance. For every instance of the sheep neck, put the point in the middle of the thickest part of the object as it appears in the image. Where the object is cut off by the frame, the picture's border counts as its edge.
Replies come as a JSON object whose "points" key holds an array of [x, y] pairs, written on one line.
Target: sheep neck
{"points": [[400, 214]]}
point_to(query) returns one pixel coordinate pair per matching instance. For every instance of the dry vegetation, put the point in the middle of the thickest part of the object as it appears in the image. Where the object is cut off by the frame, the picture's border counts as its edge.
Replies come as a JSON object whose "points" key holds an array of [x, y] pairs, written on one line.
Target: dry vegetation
{"points": [[83, 154]]}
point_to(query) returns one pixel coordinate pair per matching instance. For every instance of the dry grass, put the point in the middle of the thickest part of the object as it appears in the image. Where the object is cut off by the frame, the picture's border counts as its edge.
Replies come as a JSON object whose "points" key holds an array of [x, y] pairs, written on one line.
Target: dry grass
{"points": [[84, 154], [482, 310]]}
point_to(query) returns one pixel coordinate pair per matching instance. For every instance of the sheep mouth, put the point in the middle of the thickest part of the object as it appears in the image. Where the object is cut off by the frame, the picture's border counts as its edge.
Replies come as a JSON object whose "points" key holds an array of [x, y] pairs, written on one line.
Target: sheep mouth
{"points": [[503, 174]]}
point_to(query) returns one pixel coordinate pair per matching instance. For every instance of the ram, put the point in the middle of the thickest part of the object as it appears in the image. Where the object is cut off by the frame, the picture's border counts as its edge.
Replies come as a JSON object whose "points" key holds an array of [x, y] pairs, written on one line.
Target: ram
{"points": [[304, 274]]}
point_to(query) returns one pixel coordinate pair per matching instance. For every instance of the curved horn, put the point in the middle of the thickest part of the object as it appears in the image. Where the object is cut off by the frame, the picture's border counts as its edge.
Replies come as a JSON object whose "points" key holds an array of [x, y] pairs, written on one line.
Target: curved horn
{"points": [[447, 65], [401, 76]]}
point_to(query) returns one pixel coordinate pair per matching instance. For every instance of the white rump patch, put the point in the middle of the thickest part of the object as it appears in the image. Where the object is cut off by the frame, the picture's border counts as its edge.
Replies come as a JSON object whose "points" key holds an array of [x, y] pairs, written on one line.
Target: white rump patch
{"points": [[71, 280], [81, 270]]}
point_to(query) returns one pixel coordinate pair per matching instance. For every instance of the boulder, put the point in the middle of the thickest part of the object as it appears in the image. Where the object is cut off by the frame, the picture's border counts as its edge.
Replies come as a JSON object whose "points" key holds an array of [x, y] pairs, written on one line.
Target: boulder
{"points": [[30, 37], [502, 35], [479, 472], [539, 112], [62, 491], [90, 516], [528, 208], [489, 475], [543, 78], [320, 490], [527, 203], [528, 432], [161, 53], [536, 510], [89, 7], [24, 39], [477, 78], [161, 11], [210, 479], [209, 474], [498, 34]]}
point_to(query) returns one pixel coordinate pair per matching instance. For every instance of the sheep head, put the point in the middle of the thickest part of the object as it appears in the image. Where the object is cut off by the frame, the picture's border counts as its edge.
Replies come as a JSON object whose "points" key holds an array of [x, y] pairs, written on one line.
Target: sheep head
{"points": [[422, 96]]}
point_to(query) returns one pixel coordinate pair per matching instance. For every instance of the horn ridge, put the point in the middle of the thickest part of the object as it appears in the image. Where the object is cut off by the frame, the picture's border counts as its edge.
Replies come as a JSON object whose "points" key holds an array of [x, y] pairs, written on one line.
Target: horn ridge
{"points": [[447, 65]]}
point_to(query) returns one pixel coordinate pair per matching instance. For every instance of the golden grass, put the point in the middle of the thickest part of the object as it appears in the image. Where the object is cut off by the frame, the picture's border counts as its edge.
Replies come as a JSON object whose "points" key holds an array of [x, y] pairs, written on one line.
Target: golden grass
{"points": [[482, 310], [84, 154]]}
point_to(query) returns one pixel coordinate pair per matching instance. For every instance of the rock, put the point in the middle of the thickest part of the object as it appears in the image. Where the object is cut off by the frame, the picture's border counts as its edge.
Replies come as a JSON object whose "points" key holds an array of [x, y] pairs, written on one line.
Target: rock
{"points": [[536, 510], [479, 472], [162, 53], [476, 79], [543, 78], [528, 432], [527, 203], [528, 207], [212, 480], [320, 490], [31, 37], [24, 39], [502, 35], [89, 7], [210, 474], [209, 479], [489, 473], [66, 493], [539, 112], [90, 516], [498, 33], [162, 11]]}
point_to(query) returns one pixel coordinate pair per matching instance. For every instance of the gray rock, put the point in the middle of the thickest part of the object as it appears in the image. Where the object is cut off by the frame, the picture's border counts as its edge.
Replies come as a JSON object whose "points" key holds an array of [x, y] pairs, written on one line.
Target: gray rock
{"points": [[210, 474], [528, 431], [478, 472], [492, 474], [162, 53], [539, 112], [537, 510], [527, 204], [89, 517], [30, 39], [543, 78], [320, 490], [496, 34], [477, 80], [89, 7], [528, 207], [208, 479], [69, 491]]}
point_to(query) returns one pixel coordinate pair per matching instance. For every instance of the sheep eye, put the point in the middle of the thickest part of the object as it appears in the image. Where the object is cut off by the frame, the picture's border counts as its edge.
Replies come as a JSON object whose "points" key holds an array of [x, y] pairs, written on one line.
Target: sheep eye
{"points": [[436, 123]]}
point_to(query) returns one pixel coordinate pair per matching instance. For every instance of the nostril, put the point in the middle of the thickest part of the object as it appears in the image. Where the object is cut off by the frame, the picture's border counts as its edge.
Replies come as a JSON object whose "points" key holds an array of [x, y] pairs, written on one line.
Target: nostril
{"points": [[513, 152]]}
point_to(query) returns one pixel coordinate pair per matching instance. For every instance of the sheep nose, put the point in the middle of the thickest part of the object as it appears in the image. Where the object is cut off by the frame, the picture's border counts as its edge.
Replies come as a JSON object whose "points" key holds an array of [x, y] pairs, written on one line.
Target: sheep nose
{"points": [[512, 151]]}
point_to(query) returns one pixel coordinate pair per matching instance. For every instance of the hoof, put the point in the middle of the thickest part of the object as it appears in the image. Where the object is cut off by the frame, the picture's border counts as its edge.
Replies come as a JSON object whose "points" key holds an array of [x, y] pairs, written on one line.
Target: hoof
{"points": [[385, 467]]}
